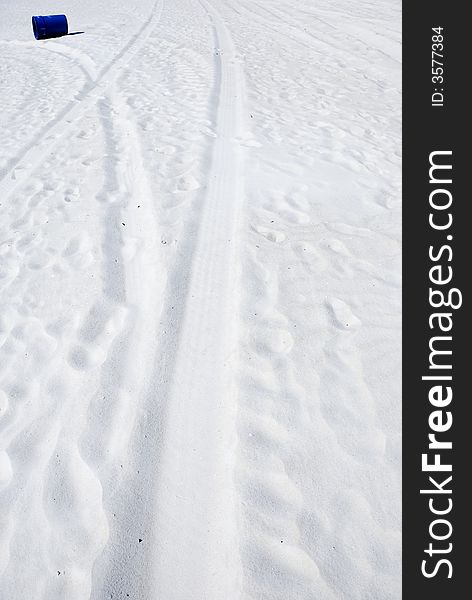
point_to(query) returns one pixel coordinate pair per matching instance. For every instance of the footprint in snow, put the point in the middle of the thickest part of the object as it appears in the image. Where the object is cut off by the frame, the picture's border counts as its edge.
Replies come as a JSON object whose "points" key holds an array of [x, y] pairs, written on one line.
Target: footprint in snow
{"points": [[270, 234]]}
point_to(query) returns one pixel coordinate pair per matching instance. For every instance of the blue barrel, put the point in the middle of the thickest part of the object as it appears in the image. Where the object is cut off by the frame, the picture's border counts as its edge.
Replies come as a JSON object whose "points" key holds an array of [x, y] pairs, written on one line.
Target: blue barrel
{"points": [[51, 26]]}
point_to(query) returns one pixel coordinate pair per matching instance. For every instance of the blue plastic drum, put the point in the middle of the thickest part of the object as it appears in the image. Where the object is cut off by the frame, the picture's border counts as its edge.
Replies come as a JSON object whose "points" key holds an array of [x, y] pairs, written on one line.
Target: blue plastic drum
{"points": [[51, 26]]}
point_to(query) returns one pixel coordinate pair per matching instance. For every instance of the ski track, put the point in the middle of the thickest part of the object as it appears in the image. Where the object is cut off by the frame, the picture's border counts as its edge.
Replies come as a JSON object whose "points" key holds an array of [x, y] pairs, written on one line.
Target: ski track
{"points": [[199, 285]]}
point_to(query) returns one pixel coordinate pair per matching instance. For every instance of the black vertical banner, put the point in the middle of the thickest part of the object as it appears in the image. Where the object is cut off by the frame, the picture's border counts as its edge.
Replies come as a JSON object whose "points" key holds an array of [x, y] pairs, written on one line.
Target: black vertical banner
{"points": [[437, 164]]}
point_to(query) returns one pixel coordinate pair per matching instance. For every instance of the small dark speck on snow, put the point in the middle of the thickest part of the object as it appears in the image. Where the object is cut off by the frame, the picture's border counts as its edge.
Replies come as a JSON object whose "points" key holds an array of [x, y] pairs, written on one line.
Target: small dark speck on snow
{"points": [[124, 224]]}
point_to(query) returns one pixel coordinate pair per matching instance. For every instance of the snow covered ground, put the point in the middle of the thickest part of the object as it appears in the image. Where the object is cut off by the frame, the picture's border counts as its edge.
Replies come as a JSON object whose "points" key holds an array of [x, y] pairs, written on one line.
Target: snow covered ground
{"points": [[200, 301]]}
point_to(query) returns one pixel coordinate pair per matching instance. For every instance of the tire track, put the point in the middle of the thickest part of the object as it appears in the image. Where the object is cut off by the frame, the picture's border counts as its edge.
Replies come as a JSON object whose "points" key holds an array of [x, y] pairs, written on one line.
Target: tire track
{"points": [[32, 156], [195, 504], [127, 199]]}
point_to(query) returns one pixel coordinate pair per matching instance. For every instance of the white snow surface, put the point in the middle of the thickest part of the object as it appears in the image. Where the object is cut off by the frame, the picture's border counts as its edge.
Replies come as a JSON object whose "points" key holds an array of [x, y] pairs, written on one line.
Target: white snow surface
{"points": [[200, 301]]}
